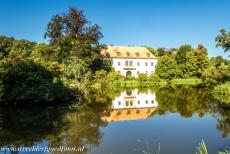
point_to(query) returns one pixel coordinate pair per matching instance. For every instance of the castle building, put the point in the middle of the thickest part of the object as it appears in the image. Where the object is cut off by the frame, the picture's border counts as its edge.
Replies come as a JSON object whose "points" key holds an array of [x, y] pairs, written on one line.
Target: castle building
{"points": [[131, 105], [130, 61]]}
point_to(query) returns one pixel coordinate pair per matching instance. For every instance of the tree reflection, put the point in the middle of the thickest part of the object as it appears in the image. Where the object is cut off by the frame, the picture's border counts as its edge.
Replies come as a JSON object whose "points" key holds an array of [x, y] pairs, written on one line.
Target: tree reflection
{"points": [[184, 100], [70, 126], [78, 124], [189, 100]]}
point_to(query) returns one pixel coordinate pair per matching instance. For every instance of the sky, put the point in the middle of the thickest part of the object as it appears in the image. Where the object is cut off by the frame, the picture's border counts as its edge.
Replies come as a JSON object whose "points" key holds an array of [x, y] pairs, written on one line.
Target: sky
{"points": [[155, 23]]}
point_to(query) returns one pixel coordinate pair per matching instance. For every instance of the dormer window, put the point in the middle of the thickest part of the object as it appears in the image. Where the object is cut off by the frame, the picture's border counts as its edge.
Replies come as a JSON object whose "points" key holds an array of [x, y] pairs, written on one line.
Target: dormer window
{"points": [[118, 53], [128, 54], [148, 54], [137, 54]]}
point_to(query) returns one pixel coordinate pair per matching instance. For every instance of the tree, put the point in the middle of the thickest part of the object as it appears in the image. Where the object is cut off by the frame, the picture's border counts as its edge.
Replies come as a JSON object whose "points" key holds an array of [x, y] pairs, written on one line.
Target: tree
{"points": [[181, 59], [152, 50], [216, 75], [181, 53], [162, 52], [27, 82], [223, 40], [73, 35], [166, 67], [197, 61], [22, 48], [6, 44], [217, 61], [76, 43]]}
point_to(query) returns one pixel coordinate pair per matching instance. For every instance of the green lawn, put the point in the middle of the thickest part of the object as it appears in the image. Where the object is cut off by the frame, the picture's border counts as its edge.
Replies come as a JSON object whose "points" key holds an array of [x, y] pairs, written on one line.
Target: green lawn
{"points": [[190, 81]]}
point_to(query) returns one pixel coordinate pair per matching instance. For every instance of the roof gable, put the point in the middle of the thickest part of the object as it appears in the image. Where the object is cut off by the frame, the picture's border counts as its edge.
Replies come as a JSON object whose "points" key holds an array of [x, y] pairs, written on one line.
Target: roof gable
{"points": [[127, 52]]}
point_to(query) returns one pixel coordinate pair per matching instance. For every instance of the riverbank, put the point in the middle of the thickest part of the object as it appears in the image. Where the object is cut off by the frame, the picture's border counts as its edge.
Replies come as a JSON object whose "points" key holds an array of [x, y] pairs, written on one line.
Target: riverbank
{"points": [[222, 92]]}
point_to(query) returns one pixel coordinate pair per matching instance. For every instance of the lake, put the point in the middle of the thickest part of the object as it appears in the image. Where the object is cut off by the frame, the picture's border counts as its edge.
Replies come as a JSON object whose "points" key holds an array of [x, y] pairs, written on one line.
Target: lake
{"points": [[129, 121]]}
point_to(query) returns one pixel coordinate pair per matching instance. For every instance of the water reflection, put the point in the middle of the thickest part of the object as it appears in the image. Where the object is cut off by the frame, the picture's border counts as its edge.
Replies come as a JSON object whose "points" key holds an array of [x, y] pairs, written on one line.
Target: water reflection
{"points": [[81, 124], [132, 105]]}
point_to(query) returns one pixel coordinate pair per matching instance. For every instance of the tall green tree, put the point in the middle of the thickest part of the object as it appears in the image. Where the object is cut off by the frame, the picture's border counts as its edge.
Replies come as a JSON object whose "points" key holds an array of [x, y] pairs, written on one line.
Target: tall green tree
{"points": [[77, 43], [181, 53], [181, 59], [6, 44], [166, 67], [223, 40], [197, 61]]}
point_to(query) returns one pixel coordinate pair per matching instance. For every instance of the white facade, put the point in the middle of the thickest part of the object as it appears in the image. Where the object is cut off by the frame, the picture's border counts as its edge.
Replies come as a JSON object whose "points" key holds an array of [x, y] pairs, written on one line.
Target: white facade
{"points": [[134, 99], [130, 61], [132, 67]]}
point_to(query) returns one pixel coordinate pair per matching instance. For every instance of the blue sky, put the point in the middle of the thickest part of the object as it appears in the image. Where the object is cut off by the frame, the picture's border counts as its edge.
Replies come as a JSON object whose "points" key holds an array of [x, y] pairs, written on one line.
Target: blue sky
{"points": [[156, 23]]}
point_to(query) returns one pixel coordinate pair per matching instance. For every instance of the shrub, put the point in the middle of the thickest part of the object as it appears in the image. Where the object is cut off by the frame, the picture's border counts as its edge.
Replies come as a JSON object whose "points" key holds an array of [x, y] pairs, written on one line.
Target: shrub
{"points": [[142, 77], [28, 82], [154, 78], [221, 92]]}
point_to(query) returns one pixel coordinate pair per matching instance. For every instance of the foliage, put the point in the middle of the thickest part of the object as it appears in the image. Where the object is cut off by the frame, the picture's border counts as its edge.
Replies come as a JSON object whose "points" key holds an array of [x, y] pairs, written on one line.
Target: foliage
{"points": [[77, 44], [6, 44], [166, 67], [217, 61], [152, 50], [182, 52], [71, 58], [216, 75], [223, 40], [28, 82], [142, 77], [155, 78], [196, 61], [221, 92], [201, 149]]}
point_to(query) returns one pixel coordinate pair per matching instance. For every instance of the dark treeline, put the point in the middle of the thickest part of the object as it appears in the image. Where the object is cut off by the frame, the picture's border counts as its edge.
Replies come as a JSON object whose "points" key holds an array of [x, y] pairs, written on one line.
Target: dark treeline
{"points": [[32, 72]]}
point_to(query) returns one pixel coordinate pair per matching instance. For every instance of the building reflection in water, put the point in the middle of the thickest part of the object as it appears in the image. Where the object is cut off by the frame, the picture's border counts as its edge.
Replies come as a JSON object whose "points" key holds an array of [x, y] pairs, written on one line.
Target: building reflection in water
{"points": [[132, 105]]}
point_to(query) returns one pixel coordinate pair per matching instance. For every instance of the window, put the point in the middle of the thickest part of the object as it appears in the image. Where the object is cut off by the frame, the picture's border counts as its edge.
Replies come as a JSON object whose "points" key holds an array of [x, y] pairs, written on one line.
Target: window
{"points": [[127, 103], [119, 63], [126, 63], [128, 54], [152, 101], [131, 103], [138, 72], [137, 54], [129, 92], [148, 54], [118, 53], [138, 63], [119, 103], [138, 102], [152, 64], [146, 63], [146, 102], [130, 63]]}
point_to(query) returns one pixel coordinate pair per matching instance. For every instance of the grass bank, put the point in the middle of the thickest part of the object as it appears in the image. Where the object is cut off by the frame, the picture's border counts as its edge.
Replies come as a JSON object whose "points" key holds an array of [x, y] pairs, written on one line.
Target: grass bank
{"points": [[190, 81], [136, 83], [222, 92]]}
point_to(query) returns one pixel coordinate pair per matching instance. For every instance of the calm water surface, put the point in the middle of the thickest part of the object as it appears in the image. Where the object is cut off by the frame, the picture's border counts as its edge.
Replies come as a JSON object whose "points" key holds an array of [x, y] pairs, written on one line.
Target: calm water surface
{"points": [[134, 121]]}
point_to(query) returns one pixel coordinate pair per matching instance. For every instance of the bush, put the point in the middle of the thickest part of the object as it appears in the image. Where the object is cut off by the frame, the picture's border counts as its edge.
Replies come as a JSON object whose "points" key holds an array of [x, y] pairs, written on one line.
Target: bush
{"points": [[221, 92], [142, 77], [154, 78], [28, 82], [213, 76]]}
